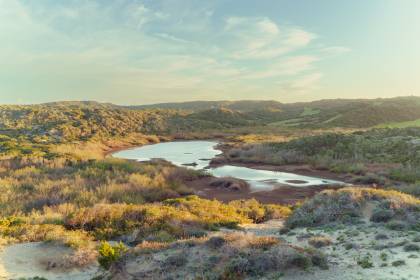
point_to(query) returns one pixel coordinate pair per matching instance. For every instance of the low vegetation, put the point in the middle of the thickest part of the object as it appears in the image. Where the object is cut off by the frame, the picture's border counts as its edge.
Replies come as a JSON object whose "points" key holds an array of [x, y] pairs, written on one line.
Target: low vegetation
{"points": [[349, 205], [380, 157], [58, 186], [224, 256]]}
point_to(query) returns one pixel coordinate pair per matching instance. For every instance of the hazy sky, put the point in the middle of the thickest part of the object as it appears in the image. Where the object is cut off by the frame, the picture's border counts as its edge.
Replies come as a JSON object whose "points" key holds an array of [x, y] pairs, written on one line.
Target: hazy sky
{"points": [[135, 52]]}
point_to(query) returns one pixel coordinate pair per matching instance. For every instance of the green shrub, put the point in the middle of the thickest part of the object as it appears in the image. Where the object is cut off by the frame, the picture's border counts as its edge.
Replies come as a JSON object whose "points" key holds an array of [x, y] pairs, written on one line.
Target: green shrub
{"points": [[396, 225], [301, 261], [365, 261], [109, 254], [381, 215], [412, 248], [398, 263]]}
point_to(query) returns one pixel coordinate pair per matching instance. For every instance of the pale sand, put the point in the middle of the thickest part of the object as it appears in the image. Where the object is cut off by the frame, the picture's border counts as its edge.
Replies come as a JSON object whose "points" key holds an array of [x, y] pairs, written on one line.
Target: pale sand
{"points": [[343, 263], [31, 259]]}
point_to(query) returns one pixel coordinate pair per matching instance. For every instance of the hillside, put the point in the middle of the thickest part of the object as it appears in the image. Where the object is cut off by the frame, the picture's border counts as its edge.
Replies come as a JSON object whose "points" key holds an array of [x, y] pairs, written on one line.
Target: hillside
{"points": [[25, 128], [64, 203], [74, 120], [353, 113], [194, 106]]}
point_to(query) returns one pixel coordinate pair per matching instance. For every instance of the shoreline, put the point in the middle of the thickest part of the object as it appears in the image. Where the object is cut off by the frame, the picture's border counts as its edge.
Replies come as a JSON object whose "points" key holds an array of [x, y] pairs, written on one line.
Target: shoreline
{"points": [[280, 194]]}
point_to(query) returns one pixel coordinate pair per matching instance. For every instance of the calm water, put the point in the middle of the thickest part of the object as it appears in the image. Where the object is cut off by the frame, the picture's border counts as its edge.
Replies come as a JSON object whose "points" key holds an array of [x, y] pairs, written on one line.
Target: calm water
{"points": [[197, 155]]}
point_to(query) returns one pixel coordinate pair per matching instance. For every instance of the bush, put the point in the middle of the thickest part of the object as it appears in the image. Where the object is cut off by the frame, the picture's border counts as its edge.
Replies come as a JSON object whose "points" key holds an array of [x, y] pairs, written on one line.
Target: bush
{"points": [[176, 260], [236, 268], [319, 241], [263, 242], [397, 225], [381, 215], [346, 204], [301, 261], [369, 179], [320, 260], [411, 247], [109, 254], [365, 261], [216, 242], [381, 236], [398, 263]]}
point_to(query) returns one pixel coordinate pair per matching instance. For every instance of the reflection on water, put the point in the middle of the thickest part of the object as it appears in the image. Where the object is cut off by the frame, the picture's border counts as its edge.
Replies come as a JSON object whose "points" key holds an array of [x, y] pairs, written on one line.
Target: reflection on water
{"points": [[197, 155]]}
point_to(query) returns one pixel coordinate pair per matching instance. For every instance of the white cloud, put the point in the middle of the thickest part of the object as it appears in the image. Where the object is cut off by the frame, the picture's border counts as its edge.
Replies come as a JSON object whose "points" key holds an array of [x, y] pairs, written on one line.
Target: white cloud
{"points": [[262, 38], [133, 47], [306, 82]]}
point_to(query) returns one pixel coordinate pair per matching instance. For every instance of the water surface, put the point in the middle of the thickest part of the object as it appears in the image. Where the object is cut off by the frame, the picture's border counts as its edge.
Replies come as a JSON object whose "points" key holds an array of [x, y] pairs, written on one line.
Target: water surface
{"points": [[197, 155]]}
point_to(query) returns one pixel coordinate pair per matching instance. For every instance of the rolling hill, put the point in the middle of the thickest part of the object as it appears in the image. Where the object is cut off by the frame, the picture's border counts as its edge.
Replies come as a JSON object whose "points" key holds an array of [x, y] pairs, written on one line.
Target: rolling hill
{"points": [[84, 120], [352, 113]]}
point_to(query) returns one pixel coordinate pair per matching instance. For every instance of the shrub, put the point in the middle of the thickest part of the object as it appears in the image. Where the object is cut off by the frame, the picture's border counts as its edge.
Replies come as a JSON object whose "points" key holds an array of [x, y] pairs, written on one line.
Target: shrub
{"points": [[216, 242], [319, 241], [396, 225], [109, 254], [236, 268], [263, 242], [381, 215], [383, 256], [320, 260], [176, 260], [337, 206], [411, 247], [301, 261], [381, 236], [398, 263], [369, 179], [349, 246], [365, 261]]}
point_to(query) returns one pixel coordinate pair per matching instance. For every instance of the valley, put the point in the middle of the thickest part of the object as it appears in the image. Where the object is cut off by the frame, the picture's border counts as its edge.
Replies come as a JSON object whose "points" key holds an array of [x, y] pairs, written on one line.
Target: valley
{"points": [[129, 193]]}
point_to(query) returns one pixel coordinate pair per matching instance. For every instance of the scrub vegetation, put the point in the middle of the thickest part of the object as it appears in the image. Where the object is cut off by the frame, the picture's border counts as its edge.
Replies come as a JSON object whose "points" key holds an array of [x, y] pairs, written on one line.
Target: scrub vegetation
{"points": [[57, 185], [387, 157]]}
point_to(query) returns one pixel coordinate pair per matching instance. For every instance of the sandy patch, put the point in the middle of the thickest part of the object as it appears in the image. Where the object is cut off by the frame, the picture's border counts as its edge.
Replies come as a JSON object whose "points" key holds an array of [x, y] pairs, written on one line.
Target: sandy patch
{"points": [[382, 253], [35, 259]]}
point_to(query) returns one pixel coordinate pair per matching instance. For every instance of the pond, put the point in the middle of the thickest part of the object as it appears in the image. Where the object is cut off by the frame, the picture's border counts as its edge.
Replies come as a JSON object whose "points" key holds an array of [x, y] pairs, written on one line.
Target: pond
{"points": [[198, 154]]}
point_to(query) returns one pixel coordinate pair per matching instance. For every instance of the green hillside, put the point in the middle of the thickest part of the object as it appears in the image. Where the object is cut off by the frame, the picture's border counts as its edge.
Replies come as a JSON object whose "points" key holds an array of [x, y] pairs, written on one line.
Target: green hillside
{"points": [[352, 113]]}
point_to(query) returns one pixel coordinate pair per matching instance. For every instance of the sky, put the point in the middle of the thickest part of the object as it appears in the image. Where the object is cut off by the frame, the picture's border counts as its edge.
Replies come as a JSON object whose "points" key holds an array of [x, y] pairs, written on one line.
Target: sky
{"points": [[150, 51]]}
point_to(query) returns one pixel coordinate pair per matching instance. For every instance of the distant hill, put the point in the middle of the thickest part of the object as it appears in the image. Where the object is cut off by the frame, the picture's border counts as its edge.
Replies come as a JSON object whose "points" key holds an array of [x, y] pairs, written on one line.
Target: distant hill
{"points": [[194, 106], [356, 113], [74, 120]]}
